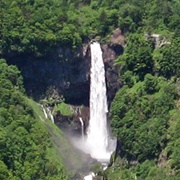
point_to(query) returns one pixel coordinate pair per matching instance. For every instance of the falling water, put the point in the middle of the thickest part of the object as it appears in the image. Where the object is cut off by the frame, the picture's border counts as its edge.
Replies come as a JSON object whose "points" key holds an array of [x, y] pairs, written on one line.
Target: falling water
{"points": [[82, 127], [97, 142], [50, 114], [44, 111], [97, 134]]}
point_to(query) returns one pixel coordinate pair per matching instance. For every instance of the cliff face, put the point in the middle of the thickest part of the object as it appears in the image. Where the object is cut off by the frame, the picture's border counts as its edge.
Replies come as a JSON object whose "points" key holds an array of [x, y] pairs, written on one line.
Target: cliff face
{"points": [[61, 73], [65, 72], [110, 53]]}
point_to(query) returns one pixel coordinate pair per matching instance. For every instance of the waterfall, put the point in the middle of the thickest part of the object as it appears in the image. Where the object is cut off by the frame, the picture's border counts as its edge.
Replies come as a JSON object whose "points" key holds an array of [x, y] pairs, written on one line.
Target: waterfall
{"points": [[44, 111], [82, 127], [50, 114], [98, 142], [47, 113], [97, 133]]}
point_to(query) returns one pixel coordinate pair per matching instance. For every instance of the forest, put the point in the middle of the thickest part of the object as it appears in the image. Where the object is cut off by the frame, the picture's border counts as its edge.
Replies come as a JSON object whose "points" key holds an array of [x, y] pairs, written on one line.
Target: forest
{"points": [[26, 146], [145, 112]]}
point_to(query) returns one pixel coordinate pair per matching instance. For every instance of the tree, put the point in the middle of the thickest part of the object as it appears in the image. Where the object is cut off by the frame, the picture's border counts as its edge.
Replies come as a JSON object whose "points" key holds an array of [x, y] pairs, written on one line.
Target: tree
{"points": [[169, 64], [140, 116], [138, 56]]}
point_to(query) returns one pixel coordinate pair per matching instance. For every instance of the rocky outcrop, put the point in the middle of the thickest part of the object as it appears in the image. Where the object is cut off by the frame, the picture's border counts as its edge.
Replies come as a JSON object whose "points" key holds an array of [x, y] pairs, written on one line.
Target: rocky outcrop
{"points": [[111, 71], [117, 37], [72, 124], [157, 40]]}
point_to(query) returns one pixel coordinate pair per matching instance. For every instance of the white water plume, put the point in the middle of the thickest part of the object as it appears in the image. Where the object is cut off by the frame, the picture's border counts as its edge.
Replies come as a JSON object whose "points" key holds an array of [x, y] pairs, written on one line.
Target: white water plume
{"points": [[89, 176]]}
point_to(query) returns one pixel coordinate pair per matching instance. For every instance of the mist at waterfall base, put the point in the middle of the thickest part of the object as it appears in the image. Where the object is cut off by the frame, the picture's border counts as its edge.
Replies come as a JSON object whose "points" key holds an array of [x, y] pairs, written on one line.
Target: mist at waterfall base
{"points": [[97, 141]]}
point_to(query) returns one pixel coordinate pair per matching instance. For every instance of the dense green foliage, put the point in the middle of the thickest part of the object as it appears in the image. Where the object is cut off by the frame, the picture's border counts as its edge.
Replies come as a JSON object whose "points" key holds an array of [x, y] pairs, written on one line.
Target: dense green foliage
{"points": [[26, 148], [37, 26], [64, 109], [144, 117], [145, 112]]}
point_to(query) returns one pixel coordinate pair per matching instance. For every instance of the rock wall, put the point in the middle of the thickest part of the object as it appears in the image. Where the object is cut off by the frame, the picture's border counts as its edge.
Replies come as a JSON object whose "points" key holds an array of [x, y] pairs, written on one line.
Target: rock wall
{"points": [[111, 71], [65, 72], [62, 72]]}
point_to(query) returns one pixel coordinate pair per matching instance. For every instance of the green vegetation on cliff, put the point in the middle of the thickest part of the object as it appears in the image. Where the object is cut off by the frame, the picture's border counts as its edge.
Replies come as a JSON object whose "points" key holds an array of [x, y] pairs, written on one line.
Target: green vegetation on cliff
{"points": [[145, 111], [64, 109]]}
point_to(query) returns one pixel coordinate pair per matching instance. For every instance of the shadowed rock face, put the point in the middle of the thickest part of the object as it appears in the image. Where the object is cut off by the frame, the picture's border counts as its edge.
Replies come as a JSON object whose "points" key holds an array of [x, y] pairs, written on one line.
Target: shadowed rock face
{"points": [[63, 72], [110, 52], [111, 71]]}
